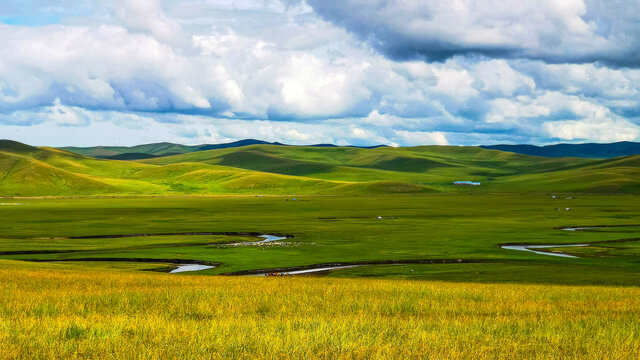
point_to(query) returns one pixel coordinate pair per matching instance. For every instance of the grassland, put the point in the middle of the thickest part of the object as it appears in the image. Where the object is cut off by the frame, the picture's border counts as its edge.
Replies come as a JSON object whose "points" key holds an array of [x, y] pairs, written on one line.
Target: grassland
{"points": [[452, 291], [343, 229], [46, 312], [278, 170]]}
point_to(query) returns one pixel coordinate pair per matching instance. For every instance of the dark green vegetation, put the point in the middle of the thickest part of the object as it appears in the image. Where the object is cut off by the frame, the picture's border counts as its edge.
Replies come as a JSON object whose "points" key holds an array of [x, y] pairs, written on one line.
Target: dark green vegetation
{"points": [[272, 169], [330, 229], [501, 272], [153, 150], [594, 151], [149, 151]]}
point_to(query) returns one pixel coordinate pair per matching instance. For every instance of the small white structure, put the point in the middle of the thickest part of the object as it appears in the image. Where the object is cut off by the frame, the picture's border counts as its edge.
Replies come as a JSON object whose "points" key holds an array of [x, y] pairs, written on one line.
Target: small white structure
{"points": [[567, 209], [471, 183]]}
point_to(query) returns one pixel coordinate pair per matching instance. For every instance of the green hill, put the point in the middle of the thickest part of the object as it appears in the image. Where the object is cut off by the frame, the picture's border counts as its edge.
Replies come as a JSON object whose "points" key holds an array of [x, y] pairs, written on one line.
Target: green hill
{"points": [[147, 151], [593, 151], [270, 169], [158, 149]]}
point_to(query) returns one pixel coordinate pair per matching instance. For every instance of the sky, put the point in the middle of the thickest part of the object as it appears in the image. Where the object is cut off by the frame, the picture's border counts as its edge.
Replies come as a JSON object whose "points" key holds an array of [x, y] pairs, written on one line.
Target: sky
{"points": [[360, 72]]}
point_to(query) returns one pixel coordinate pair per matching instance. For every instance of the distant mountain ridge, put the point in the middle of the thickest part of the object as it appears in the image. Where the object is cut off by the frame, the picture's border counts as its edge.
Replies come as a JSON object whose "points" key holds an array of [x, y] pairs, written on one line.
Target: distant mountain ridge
{"points": [[592, 150], [149, 151]]}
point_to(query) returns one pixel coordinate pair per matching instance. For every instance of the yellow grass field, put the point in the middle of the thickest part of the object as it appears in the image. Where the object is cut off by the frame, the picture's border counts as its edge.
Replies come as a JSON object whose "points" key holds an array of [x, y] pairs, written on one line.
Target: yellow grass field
{"points": [[50, 311]]}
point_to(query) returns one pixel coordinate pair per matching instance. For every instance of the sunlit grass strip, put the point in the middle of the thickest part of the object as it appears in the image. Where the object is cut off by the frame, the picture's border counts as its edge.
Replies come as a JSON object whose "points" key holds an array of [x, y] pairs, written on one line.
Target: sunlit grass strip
{"points": [[93, 314]]}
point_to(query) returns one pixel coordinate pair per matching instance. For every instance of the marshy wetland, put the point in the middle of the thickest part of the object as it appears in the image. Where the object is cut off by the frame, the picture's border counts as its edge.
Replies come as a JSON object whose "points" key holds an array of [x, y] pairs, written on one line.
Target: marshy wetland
{"points": [[387, 276], [229, 232]]}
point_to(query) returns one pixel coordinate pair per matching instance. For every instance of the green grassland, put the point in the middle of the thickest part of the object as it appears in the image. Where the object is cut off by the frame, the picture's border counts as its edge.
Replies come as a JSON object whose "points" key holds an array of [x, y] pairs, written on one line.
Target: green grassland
{"points": [[433, 281], [464, 228], [278, 170], [495, 304]]}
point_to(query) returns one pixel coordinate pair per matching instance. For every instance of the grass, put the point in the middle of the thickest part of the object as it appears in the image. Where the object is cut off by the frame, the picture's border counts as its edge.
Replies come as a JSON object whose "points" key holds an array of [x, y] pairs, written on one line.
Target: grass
{"points": [[361, 206], [278, 170], [500, 272], [157, 149], [53, 313], [330, 229]]}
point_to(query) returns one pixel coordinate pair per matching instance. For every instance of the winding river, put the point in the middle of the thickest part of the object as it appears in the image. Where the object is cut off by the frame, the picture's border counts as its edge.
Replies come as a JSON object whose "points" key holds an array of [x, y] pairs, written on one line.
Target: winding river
{"points": [[199, 267], [190, 267], [531, 248], [307, 271], [193, 265], [267, 239]]}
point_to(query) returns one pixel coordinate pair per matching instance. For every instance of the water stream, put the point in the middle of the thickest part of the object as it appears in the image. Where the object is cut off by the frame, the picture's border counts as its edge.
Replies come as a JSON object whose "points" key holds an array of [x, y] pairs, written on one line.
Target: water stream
{"points": [[190, 267], [267, 239], [581, 228], [531, 248], [307, 271]]}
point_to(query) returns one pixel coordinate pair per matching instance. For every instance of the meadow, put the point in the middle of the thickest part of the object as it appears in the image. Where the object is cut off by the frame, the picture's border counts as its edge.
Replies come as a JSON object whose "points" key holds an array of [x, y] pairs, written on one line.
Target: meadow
{"points": [[86, 244], [78, 312], [465, 229]]}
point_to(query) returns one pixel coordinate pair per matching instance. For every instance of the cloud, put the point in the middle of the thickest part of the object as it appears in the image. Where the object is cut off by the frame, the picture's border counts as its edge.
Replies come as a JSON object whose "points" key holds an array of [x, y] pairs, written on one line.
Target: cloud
{"points": [[422, 138], [575, 31], [548, 105], [592, 130], [209, 71], [111, 68], [66, 115], [56, 113], [498, 78], [147, 16], [312, 87]]}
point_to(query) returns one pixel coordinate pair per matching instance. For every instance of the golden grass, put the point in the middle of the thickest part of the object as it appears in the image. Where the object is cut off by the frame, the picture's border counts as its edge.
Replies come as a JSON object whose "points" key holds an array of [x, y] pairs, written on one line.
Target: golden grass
{"points": [[49, 311]]}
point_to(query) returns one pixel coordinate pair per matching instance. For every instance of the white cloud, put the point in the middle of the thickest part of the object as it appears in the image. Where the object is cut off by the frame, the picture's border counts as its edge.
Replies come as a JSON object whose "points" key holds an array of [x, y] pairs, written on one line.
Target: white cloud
{"points": [[66, 115], [512, 110], [457, 83], [147, 16], [153, 64], [556, 31], [548, 104], [422, 137], [313, 87], [378, 119], [589, 79], [609, 130], [497, 77]]}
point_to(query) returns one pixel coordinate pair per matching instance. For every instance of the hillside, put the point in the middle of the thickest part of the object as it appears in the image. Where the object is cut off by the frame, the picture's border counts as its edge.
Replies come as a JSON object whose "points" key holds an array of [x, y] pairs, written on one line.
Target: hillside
{"points": [[270, 169], [149, 151], [594, 151]]}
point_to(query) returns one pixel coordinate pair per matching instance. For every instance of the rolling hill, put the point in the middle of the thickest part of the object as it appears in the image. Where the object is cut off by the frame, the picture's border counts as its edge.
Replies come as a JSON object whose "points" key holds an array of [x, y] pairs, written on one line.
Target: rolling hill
{"points": [[149, 151], [153, 150], [272, 169], [594, 151]]}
